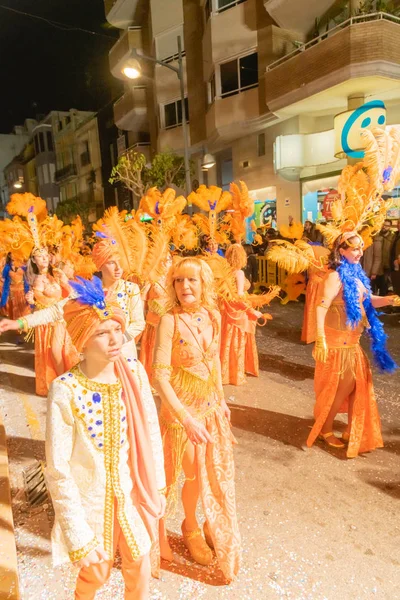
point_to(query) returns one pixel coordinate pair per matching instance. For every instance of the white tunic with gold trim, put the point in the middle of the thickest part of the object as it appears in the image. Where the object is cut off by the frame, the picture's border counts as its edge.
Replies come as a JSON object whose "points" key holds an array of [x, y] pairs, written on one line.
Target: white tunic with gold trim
{"points": [[87, 464]]}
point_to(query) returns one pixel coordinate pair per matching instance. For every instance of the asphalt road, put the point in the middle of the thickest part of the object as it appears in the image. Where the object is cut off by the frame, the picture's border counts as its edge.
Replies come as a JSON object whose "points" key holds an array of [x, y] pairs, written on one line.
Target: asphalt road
{"points": [[314, 524]]}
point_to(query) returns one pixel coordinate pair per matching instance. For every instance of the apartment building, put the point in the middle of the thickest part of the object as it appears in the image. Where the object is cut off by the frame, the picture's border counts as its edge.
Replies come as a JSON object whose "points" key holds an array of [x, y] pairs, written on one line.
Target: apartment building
{"points": [[269, 87], [77, 149]]}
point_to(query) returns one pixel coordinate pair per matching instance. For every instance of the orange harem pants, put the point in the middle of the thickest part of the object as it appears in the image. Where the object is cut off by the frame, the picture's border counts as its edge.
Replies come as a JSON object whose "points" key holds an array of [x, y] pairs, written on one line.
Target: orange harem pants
{"points": [[136, 573]]}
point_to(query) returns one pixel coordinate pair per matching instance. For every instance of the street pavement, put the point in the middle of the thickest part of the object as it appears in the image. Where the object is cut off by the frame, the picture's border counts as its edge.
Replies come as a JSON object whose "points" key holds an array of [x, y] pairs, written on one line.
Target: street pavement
{"points": [[315, 525]]}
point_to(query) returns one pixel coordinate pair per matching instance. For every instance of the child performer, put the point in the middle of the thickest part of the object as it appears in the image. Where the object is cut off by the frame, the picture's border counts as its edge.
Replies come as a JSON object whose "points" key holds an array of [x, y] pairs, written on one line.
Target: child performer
{"points": [[105, 469]]}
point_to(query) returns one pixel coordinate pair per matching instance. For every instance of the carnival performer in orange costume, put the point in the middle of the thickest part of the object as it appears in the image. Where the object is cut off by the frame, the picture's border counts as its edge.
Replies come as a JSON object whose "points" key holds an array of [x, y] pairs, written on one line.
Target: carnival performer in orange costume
{"points": [[343, 378], [18, 304], [238, 334], [195, 417], [54, 351], [155, 300]]}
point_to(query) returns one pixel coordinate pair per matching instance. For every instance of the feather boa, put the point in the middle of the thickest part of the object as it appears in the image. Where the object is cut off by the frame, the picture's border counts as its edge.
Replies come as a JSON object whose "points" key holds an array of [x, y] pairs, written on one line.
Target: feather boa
{"points": [[6, 285], [349, 274]]}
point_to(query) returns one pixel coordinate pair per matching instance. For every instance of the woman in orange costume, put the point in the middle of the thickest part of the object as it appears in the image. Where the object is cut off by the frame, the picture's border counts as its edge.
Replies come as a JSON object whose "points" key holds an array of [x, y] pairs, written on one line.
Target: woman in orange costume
{"points": [[238, 334], [343, 378], [54, 351], [195, 417]]}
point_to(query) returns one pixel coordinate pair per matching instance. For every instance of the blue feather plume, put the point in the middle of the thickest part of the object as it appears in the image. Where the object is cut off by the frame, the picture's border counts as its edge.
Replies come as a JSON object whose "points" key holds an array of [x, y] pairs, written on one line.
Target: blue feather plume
{"points": [[88, 292], [349, 275], [6, 285], [102, 235]]}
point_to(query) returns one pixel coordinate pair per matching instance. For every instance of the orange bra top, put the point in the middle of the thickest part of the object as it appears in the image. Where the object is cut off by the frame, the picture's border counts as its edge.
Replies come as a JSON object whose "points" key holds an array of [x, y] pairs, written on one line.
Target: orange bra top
{"points": [[187, 351]]}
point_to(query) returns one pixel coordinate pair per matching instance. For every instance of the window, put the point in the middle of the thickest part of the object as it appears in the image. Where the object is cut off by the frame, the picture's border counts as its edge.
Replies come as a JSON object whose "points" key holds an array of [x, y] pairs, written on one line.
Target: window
{"points": [[67, 120], [45, 174], [112, 155], [40, 176], [223, 5], [261, 144], [41, 142], [59, 126], [173, 113], [211, 89], [167, 44], [52, 168], [239, 74], [50, 145], [226, 173]]}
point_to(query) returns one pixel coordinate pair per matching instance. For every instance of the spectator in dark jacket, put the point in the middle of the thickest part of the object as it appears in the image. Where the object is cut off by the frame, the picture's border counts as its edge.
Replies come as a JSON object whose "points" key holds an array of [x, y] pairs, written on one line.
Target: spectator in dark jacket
{"points": [[251, 268]]}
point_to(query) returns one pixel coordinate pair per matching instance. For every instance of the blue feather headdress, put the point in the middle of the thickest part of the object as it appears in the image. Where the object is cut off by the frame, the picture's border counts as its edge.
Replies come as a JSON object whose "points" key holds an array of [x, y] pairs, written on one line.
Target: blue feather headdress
{"points": [[349, 275], [91, 293]]}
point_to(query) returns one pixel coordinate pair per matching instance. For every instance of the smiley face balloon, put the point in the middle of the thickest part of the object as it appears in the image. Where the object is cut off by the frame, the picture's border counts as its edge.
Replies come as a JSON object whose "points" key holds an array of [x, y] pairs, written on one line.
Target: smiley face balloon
{"points": [[350, 125]]}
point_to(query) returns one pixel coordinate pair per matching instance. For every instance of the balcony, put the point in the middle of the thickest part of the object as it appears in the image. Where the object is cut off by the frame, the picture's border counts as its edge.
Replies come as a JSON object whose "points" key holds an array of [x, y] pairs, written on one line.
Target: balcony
{"points": [[121, 51], [130, 111], [235, 116], [361, 54], [297, 16], [120, 13], [65, 173]]}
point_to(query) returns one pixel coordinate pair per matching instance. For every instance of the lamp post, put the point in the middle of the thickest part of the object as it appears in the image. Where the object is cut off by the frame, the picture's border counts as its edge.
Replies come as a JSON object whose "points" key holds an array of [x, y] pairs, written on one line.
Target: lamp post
{"points": [[132, 71]]}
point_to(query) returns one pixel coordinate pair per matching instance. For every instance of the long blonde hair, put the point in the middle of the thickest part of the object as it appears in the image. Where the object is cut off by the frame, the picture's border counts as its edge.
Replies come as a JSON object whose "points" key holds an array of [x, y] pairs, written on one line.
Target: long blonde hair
{"points": [[184, 266], [236, 256]]}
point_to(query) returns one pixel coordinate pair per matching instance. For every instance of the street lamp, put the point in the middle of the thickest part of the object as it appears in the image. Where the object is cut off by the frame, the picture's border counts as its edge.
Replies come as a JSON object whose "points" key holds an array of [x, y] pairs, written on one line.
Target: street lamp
{"points": [[208, 162], [132, 70]]}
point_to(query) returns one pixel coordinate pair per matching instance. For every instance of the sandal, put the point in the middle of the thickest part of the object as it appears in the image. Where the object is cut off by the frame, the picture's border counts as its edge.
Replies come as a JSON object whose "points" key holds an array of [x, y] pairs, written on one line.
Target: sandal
{"points": [[207, 535], [346, 437], [197, 546], [324, 436]]}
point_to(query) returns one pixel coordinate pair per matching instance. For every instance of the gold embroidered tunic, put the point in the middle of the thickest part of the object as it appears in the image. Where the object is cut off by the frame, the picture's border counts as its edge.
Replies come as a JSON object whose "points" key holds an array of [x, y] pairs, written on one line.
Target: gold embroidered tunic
{"points": [[87, 464]]}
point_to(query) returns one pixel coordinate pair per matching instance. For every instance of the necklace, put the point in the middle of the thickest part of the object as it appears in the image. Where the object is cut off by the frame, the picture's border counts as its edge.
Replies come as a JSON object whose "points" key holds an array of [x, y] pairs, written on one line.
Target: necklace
{"points": [[191, 308], [198, 319]]}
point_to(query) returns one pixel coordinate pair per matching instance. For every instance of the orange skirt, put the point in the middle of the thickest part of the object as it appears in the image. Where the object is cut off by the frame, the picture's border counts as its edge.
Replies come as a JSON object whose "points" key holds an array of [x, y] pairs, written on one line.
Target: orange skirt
{"points": [[48, 339], [18, 305], [216, 472], [365, 433], [238, 353]]}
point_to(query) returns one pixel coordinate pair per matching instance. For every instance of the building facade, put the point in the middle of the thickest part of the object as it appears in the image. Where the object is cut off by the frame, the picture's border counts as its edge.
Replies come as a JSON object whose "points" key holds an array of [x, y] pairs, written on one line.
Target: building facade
{"points": [[10, 146], [78, 173], [45, 158], [265, 81]]}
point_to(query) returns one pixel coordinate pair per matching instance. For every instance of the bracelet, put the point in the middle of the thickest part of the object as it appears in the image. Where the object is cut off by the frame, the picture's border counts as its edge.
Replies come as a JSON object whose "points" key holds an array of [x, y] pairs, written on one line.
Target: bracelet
{"points": [[22, 324]]}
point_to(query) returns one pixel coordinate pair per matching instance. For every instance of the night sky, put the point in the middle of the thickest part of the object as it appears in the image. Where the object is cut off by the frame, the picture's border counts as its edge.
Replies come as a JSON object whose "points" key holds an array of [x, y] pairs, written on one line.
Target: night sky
{"points": [[44, 68]]}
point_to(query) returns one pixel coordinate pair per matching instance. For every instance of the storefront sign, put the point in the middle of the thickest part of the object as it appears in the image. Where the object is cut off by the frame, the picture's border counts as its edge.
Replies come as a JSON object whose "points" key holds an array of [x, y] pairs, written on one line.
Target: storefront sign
{"points": [[329, 199], [349, 126]]}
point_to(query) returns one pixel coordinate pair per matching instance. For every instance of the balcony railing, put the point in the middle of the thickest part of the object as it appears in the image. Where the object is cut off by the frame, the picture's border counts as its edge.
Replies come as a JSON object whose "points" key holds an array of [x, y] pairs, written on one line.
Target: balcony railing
{"points": [[378, 16], [65, 172]]}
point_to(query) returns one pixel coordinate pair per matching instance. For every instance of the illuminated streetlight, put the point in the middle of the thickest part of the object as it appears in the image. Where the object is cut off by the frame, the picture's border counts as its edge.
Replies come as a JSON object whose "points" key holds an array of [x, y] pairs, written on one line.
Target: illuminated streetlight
{"points": [[132, 69], [208, 162]]}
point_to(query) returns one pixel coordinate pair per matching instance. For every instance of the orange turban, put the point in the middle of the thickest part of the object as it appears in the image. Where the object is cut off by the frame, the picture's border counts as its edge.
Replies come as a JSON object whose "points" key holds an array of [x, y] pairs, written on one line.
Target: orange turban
{"points": [[82, 320], [103, 251]]}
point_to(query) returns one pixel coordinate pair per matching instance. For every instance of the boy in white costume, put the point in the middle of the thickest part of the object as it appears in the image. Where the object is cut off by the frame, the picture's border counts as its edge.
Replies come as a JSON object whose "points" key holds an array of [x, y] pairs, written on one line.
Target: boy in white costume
{"points": [[105, 469]]}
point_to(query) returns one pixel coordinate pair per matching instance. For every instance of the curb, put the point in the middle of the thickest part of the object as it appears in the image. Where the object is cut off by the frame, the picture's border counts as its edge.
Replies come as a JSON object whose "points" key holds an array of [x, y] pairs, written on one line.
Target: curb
{"points": [[9, 583]]}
